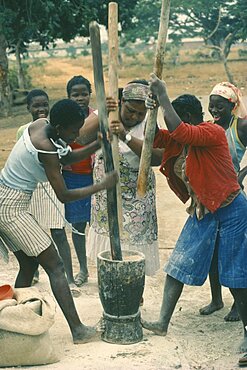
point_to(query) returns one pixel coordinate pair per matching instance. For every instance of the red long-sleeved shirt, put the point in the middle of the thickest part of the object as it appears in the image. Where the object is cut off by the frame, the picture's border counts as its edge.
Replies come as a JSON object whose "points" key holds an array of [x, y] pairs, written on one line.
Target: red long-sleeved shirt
{"points": [[209, 166]]}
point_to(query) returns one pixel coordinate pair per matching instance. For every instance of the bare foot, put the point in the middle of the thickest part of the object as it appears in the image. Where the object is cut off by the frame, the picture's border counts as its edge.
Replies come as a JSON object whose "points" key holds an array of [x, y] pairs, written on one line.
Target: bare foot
{"points": [[81, 279], [243, 361], [100, 326], [156, 327], [75, 291], [243, 346], [233, 314], [212, 307], [85, 334]]}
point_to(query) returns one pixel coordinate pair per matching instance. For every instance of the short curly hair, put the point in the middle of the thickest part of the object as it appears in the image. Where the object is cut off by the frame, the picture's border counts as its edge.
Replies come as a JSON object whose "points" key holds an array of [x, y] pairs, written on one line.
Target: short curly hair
{"points": [[188, 103], [66, 112], [78, 80], [35, 92]]}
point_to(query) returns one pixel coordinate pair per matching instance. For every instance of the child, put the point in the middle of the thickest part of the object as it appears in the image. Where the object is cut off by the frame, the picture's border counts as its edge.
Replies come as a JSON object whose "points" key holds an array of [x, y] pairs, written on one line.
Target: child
{"points": [[78, 175], [44, 205]]}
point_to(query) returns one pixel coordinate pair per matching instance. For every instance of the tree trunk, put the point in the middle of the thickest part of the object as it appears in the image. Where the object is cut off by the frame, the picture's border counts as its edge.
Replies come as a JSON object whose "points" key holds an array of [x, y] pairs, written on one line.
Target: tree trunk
{"points": [[5, 96], [227, 70], [225, 49], [20, 73]]}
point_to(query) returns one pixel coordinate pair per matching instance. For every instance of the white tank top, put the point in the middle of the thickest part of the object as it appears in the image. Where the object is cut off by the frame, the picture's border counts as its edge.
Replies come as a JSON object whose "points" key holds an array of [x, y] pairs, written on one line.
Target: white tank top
{"points": [[23, 170]]}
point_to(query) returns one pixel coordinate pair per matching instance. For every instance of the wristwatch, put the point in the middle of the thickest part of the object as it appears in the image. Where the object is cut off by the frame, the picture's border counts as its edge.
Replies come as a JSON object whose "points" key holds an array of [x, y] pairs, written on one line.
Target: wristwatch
{"points": [[127, 139]]}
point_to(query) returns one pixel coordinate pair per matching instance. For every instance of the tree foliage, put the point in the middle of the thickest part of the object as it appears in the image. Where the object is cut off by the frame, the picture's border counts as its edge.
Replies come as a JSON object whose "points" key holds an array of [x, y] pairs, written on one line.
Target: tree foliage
{"points": [[45, 21], [193, 18], [220, 23]]}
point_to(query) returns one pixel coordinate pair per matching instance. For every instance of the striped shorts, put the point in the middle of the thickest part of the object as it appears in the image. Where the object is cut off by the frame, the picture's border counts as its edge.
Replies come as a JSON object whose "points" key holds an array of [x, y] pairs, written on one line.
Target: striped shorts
{"points": [[46, 208], [19, 230]]}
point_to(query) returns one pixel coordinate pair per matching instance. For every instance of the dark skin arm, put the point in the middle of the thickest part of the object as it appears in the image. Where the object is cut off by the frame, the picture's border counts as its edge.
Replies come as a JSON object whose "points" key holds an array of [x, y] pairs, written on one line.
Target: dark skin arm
{"points": [[242, 134], [78, 155], [91, 127], [242, 131], [89, 130], [135, 144], [241, 176], [39, 134], [116, 127], [52, 166], [158, 88], [53, 171]]}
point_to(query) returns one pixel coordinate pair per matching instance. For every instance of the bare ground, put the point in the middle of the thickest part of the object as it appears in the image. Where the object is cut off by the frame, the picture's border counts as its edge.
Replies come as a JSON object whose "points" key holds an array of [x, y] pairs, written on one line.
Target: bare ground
{"points": [[193, 341]]}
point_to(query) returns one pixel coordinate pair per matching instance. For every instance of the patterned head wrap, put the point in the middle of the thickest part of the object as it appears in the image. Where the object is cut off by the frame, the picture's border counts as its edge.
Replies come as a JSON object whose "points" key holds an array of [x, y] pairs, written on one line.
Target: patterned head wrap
{"points": [[136, 91], [233, 95]]}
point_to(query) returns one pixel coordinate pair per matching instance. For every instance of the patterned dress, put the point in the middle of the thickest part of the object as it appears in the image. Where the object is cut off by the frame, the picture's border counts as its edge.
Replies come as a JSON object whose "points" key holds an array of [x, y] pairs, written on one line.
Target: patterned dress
{"points": [[140, 230]]}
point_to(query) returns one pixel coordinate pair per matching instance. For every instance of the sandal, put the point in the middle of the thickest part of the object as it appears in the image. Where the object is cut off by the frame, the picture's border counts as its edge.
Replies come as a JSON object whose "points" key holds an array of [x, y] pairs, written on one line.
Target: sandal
{"points": [[81, 279], [75, 291], [243, 361]]}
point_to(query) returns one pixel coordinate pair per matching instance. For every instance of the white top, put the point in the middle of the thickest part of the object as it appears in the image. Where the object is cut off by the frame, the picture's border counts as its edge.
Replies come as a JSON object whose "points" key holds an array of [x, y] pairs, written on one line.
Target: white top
{"points": [[23, 170]]}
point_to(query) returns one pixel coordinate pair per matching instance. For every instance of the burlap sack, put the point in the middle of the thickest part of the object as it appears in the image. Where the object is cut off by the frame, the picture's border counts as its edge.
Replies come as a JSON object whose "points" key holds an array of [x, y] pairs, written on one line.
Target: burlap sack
{"points": [[24, 324]]}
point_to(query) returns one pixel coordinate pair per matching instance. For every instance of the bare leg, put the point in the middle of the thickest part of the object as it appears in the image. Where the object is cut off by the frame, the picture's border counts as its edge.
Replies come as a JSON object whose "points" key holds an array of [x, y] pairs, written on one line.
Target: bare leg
{"points": [[233, 314], [36, 277], [172, 291], [60, 239], [216, 302], [27, 267], [52, 264], [79, 242], [240, 296]]}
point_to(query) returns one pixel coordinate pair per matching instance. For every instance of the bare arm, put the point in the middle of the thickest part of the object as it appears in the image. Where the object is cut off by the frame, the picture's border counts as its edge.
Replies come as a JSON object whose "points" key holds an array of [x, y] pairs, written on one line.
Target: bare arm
{"points": [[79, 154], [135, 144], [242, 131], [241, 176], [88, 132], [158, 88], [52, 168]]}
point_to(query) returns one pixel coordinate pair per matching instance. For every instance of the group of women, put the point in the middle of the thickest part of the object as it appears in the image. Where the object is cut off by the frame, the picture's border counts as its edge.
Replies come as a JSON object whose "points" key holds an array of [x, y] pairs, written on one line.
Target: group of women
{"points": [[193, 155]]}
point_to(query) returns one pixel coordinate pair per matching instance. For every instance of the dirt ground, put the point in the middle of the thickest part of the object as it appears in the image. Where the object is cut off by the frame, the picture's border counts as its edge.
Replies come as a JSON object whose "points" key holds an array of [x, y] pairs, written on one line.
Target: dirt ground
{"points": [[193, 341]]}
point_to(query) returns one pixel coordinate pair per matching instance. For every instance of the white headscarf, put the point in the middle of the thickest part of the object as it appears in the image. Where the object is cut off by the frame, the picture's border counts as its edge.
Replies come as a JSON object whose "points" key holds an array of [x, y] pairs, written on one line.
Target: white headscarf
{"points": [[234, 95]]}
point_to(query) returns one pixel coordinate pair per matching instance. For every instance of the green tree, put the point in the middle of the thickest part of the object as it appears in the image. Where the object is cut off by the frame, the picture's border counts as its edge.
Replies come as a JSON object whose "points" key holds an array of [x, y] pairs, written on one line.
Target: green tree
{"points": [[26, 21], [220, 23]]}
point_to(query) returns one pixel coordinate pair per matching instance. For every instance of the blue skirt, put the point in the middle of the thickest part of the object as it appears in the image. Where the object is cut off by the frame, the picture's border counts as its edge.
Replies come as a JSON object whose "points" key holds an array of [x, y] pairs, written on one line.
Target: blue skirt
{"points": [[79, 210], [224, 231]]}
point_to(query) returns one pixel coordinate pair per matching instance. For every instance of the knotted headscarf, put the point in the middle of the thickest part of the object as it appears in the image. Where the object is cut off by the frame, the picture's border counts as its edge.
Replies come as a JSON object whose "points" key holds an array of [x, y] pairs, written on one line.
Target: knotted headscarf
{"points": [[136, 91], [232, 94]]}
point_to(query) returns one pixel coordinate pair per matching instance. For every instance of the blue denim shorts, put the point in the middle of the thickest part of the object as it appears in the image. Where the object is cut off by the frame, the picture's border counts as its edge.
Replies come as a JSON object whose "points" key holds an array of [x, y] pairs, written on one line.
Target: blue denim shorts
{"points": [[226, 230]]}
